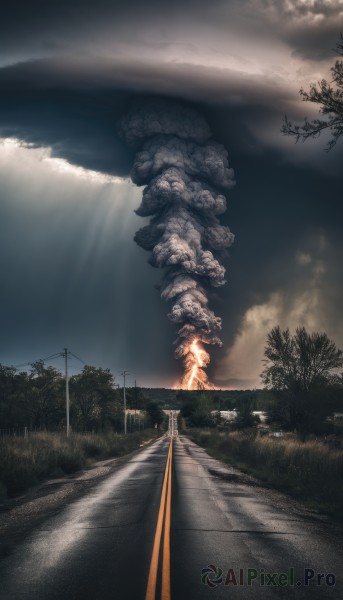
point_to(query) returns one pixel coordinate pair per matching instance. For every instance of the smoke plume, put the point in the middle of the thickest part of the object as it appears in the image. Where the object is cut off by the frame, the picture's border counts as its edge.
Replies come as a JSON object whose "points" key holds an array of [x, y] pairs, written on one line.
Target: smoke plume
{"points": [[186, 174]]}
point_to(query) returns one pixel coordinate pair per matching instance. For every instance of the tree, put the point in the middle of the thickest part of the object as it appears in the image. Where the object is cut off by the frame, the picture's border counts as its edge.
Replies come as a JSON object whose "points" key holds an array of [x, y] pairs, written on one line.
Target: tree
{"points": [[34, 399], [197, 409], [96, 403], [330, 100], [135, 398], [42, 396], [155, 413], [299, 368], [10, 410], [245, 416], [300, 362]]}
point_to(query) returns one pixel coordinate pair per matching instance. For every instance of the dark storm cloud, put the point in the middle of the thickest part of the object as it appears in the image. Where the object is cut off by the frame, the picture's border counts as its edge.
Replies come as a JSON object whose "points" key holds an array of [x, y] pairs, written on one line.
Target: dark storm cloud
{"points": [[72, 100], [54, 26], [74, 68], [74, 106], [45, 108], [43, 28], [317, 43]]}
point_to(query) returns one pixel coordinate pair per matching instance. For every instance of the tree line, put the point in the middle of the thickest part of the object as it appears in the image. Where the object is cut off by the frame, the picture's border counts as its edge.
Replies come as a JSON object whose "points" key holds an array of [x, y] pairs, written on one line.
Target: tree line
{"points": [[37, 400]]}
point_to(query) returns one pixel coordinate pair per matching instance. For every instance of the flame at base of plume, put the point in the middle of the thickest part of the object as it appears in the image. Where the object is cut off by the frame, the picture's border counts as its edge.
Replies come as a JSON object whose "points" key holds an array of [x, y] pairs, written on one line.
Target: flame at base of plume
{"points": [[194, 377]]}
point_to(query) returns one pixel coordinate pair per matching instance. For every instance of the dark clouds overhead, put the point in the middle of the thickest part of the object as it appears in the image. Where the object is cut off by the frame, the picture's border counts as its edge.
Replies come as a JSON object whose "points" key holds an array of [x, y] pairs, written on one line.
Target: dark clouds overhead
{"points": [[46, 28], [74, 107], [69, 71]]}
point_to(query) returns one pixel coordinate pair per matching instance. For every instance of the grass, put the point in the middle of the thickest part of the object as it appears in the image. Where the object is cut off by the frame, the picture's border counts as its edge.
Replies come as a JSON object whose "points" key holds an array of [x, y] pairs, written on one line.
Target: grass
{"points": [[309, 471], [24, 462]]}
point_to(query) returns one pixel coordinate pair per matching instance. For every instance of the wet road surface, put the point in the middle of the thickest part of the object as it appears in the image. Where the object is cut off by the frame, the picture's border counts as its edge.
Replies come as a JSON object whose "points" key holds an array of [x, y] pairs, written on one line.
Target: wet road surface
{"points": [[222, 532], [236, 527]]}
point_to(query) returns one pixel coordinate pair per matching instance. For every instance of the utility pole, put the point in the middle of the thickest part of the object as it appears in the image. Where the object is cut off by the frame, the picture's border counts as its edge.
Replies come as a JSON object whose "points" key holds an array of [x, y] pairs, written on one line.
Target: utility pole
{"points": [[124, 373], [65, 354]]}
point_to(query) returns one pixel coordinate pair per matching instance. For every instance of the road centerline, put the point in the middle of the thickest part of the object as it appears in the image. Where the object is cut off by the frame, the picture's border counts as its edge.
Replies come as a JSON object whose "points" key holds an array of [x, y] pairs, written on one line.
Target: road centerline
{"points": [[163, 515]]}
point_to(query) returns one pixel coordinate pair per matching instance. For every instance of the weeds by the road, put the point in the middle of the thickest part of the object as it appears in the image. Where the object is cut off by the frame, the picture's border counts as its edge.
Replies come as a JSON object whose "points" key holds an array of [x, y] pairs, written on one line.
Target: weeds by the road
{"points": [[309, 470], [23, 462]]}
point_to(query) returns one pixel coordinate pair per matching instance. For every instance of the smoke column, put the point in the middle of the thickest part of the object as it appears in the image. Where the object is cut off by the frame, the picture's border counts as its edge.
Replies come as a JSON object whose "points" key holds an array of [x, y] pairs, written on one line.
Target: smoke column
{"points": [[186, 174]]}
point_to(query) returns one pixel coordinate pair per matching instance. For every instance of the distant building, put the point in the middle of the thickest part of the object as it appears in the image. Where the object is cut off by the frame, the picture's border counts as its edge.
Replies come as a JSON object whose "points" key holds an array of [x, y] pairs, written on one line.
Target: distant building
{"points": [[231, 415]]}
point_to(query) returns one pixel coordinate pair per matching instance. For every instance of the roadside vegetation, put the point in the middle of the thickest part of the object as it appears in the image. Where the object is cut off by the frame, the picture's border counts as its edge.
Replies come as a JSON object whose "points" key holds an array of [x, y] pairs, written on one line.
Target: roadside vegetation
{"points": [[33, 440], [26, 461], [310, 471]]}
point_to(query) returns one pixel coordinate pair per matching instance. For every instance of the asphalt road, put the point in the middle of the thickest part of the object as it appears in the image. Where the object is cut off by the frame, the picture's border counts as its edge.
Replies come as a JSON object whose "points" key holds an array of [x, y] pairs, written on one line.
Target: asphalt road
{"points": [[222, 532]]}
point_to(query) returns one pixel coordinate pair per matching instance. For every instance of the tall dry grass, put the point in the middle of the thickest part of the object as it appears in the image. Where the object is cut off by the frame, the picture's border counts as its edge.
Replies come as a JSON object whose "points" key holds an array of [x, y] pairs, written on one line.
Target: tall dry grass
{"points": [[23, 462], [309, 470]]}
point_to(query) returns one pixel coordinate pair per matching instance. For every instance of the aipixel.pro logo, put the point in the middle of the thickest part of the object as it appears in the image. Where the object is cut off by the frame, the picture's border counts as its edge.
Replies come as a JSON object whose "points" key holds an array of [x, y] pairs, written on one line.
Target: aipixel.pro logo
{"points": [[212, 576]]}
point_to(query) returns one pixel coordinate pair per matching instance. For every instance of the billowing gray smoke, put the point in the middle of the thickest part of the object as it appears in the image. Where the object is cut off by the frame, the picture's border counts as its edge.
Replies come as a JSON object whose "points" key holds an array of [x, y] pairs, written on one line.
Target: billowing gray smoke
{"points": [[186, 174]]}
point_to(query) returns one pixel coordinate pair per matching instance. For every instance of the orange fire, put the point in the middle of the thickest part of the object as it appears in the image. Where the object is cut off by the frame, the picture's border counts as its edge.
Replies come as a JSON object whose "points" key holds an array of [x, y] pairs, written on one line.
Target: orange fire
{"points": [[196, 359]]}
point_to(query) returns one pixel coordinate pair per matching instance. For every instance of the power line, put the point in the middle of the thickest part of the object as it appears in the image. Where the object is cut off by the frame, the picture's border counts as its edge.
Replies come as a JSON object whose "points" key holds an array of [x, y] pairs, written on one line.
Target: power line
{"points": [[31, 362], [51, 357], [78, 358]]}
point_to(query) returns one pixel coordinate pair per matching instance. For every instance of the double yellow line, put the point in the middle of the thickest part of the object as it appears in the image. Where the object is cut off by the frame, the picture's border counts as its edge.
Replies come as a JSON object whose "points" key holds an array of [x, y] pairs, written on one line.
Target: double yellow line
{"points": [[163, 514]]}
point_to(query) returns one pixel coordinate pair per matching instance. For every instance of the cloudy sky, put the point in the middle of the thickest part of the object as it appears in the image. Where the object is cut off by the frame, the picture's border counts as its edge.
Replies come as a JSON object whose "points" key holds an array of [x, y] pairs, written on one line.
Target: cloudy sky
{"points": [[71, 273]]}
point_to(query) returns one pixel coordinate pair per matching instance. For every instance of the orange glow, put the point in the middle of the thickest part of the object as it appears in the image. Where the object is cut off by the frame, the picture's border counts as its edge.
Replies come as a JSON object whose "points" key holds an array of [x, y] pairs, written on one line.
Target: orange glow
{"points": [[196, 359]]}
